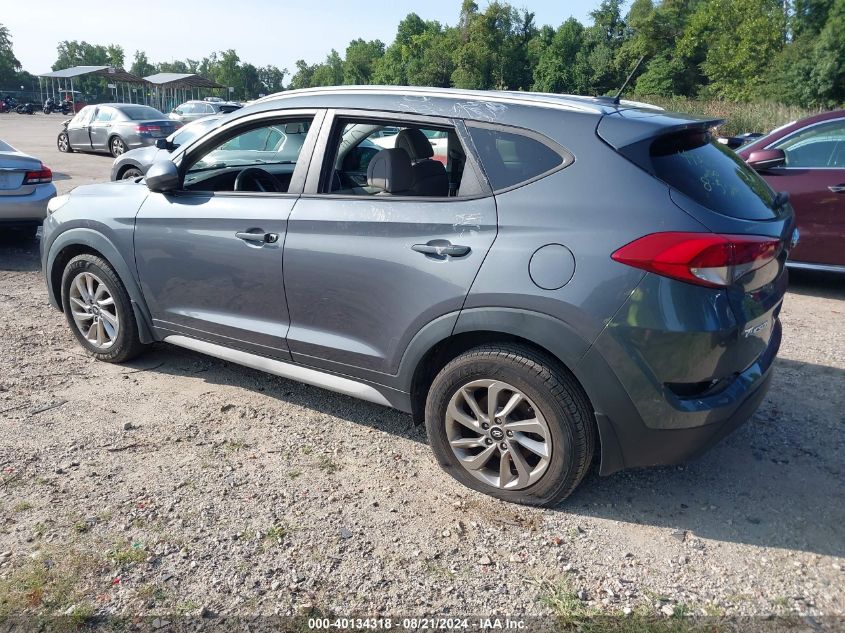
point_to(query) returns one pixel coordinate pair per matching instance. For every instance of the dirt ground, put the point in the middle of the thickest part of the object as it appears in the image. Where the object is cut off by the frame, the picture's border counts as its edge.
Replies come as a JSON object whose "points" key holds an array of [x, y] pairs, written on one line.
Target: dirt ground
{"points": [[180, 484]]}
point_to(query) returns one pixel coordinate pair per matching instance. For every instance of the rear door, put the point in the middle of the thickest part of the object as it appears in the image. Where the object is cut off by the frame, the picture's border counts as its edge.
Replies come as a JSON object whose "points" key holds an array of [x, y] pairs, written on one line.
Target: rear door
{"points": [[814, 176], [366, 270]]}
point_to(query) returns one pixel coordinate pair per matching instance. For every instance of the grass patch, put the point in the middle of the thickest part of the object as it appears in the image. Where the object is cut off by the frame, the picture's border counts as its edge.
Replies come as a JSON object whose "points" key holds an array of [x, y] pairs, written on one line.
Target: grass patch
{"points": [[46, 587], [327, 464], [277, 533], [574, 614], [22, 506], [124, 556], [294, 474], [739, 117]]}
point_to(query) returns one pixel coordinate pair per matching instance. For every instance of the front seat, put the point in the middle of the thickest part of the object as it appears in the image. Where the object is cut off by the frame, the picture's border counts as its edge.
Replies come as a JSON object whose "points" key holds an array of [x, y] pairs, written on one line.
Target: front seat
{"points": [[390, 171], [430, 178]]}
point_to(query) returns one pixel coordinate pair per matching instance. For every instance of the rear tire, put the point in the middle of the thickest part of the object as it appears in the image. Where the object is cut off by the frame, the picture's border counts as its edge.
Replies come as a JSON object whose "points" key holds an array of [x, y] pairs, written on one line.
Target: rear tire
{"points": [[99, 310], [553, 417], [116, 146]]}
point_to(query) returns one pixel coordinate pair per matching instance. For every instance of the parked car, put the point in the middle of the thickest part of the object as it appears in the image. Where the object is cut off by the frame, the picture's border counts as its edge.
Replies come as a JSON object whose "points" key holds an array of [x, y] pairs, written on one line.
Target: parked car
{"points": [[114, 128], [581, 276], [807, 159], [735, 142], [135, 163], [193, 110], [26, 185]]}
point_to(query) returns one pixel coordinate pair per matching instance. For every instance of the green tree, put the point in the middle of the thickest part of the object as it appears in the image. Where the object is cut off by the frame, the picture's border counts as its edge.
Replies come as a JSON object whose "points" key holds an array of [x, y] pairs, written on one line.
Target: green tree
{"points": [[141, 66], [827, 77], [330, 72], [737, 39], [361, 60], [9, 64], [556, 65], [302, 77]]}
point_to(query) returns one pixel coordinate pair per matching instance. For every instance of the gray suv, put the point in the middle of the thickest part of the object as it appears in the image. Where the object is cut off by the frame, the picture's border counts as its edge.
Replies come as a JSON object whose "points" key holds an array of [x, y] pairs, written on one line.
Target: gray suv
{"points": [[567, 277]]}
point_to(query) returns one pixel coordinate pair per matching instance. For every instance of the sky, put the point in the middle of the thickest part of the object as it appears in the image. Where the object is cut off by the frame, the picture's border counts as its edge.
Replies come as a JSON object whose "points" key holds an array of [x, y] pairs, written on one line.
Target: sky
{"points": [[261, 31]]}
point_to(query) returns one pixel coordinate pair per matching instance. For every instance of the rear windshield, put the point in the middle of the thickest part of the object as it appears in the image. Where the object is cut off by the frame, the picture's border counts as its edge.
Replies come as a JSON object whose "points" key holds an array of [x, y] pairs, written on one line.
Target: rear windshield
{"points": [[711, 174], [141, 113]]}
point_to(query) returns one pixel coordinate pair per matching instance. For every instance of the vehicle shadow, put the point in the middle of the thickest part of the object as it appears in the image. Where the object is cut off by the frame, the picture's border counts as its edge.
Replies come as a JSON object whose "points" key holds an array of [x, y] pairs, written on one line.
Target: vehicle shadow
{"points": [[817, 284], [18, 252], [775, 482]]}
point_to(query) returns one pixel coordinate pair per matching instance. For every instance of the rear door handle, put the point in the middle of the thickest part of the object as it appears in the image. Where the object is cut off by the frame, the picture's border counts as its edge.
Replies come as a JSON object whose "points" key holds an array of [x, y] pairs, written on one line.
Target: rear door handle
{"points": [[442, 248], [250, 236], [837, 188]]}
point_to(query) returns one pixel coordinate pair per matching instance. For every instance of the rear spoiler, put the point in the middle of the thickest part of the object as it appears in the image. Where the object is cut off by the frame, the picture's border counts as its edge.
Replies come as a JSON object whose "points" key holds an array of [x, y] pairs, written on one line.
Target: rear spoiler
{"points": [[629, 127]]}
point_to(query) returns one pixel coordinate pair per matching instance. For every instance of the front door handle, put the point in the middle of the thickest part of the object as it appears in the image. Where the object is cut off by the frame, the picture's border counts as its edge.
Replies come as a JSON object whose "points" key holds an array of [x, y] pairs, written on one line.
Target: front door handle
{"points": [[250, 236], [441, 249], [837, 188]]}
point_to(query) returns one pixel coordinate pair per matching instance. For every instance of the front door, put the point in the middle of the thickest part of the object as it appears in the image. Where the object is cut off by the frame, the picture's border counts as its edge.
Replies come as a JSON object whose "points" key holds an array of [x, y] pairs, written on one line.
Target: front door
{"points": [[78, 128], [209, 256], [367, 267], [100, 128], [814, 176]]}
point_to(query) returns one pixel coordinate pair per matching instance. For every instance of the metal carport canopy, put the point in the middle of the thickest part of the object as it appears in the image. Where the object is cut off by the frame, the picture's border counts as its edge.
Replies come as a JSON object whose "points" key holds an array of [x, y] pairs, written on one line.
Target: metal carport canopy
{"points": [[181, 80], [116, 75]]}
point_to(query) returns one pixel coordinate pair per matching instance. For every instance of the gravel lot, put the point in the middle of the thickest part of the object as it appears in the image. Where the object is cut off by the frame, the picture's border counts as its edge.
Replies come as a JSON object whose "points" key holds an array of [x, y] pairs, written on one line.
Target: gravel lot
{"points": [[180, 484]]}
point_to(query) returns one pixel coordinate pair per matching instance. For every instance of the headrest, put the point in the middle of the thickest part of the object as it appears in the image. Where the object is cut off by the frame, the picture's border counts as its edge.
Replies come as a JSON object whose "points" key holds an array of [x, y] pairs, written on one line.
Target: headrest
{"points": [[415, 143], [390, 170]]}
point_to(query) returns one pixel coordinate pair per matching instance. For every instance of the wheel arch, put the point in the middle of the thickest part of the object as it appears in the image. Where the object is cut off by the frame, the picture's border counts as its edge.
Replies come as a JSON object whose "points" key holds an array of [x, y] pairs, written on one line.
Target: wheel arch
{"points": [[445, 338], [440, 342], [80, 241]]}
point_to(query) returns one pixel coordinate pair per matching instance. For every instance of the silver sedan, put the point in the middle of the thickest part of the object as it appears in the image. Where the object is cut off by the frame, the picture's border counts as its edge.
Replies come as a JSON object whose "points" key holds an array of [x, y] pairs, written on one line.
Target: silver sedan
{"points": [[114, 128], [26, 185]]}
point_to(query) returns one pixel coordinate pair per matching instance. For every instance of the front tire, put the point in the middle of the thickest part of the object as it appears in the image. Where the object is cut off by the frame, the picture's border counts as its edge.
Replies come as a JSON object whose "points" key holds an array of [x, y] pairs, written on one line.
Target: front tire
{"points": [[63, 143], [98, 310], [130, 173], [509, 422]]}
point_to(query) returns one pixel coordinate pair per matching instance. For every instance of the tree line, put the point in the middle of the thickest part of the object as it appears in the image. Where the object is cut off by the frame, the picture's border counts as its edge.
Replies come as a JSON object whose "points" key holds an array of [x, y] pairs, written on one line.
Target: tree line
{"points": [[787, 51]]}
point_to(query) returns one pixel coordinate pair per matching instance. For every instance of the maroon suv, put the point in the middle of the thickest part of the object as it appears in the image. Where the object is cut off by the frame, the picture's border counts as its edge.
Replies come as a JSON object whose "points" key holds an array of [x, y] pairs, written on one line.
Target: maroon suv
{"points": [[807, 159]]}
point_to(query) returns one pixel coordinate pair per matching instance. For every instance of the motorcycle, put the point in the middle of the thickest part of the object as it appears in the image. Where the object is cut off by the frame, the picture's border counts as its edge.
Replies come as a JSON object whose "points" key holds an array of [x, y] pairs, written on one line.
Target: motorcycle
{"points": [[8, 104], [25, 108], [50, 106]]}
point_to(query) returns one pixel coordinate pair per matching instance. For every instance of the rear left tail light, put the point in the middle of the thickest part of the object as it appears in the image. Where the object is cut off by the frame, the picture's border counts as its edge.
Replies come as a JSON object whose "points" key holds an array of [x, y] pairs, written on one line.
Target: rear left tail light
{"points": [[39, 177], [705, 259], [147, 129]]}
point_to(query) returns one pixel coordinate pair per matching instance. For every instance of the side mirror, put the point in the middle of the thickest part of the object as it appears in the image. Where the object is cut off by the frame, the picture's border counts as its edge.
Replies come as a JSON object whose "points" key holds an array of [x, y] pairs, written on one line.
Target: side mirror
{"points": [[163, 143], [162, 177], [763, 159]]}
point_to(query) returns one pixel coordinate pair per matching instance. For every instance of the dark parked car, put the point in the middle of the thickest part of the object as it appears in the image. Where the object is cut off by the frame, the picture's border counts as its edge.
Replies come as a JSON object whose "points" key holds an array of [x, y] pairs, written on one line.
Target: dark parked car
{"points": [[135, 163], [578, 277], [114, 128], [194, 110], [807, 159]]}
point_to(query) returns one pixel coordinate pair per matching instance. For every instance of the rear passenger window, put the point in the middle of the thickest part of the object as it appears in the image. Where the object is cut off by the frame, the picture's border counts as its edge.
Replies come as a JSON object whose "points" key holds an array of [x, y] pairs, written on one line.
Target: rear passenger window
{"points": [[510, 159]]}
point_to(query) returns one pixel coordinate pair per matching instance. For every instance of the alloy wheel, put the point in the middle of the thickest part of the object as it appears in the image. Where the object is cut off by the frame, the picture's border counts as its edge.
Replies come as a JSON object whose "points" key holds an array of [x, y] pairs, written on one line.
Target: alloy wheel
{"points": [[94, 310], [63, 143], [498, 435], [131, 173], [117, 147]]}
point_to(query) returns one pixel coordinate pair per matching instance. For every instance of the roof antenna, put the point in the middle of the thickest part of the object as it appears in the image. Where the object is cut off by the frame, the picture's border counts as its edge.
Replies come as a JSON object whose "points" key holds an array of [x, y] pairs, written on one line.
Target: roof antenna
{"points": [[627, 81]]}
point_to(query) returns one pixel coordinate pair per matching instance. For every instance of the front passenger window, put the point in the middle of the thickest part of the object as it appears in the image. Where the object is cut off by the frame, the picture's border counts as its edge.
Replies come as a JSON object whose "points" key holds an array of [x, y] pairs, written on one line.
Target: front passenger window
{"points": [[815, 146], [260, 159]]}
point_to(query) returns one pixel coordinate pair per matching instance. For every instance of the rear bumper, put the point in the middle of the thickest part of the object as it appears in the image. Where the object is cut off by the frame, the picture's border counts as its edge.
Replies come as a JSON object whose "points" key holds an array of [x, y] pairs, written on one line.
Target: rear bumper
{"points": [[27, 209], [680, 434]]}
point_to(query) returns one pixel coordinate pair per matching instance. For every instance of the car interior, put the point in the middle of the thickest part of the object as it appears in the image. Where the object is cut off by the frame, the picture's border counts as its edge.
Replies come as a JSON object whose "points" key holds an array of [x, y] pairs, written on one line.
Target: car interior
{"points": [[261, 159], [389, 159]]}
